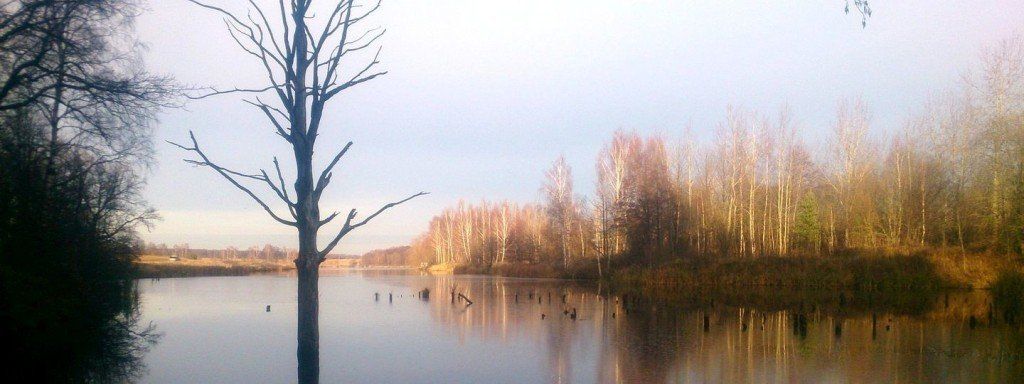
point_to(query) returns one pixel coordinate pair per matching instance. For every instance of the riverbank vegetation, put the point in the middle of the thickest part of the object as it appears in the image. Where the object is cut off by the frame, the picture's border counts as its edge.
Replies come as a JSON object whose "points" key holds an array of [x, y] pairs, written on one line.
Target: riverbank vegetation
{"points": [[75, 114], [182, 260], [149, 266], [938, 202]]}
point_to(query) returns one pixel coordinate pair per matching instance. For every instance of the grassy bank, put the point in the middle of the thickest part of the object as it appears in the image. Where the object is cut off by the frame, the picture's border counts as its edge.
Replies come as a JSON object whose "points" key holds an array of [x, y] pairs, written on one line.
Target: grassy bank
{"points": [[857, 271], [512, 270], [868, 272], [161, 267]]}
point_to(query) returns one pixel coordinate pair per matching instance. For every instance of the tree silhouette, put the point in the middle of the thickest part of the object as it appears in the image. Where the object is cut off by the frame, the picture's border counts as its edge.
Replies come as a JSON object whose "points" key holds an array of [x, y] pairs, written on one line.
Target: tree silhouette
{"points": [[304, 66]]}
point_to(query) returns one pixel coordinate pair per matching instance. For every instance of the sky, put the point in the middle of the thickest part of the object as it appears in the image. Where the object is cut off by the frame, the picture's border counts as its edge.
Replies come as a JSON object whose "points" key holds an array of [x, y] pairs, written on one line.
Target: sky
{"points": [[481, 96]]}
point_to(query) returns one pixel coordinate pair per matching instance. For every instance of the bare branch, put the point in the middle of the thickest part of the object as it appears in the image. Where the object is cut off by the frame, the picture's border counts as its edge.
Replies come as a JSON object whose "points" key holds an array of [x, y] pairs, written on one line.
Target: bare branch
{"points": [[270, 31], [368, 42], [266, 56], [336, 59], [270, 116], [280, 178], [349, 226], [366, 14], [216, 92], [325, 176], [220, 10], [279, 192], [357, 79], [236, 173], [227, 174]]}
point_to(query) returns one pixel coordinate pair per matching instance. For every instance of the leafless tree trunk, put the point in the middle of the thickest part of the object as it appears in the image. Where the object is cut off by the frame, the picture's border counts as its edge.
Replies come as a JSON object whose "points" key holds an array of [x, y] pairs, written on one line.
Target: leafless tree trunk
{"points": [[852, 163], [559, 192], [304, 66], [503, 228]]}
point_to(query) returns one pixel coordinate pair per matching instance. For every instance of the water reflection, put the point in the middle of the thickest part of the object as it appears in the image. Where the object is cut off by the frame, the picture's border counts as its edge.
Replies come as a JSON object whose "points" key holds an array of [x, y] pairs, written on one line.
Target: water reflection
{"points": [[377, 328], [116, 354], [100, 344], [732, 337]]}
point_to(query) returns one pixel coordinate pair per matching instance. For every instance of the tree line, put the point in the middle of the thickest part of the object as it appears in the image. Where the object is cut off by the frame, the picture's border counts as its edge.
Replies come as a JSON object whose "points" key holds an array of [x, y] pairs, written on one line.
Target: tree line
{"points": [[76, 110], [184, 251], [951, 177], [394, 256]]}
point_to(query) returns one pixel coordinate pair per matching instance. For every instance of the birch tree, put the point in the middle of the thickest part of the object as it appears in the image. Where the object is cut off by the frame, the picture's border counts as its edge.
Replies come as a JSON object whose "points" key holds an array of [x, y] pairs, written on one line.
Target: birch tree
{"points": [[561, 208]]}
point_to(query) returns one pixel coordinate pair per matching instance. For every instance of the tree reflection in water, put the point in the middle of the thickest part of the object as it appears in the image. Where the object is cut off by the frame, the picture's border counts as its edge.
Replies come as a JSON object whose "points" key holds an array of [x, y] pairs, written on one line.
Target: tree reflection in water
{"points": [[750, 337], [103, 345]]}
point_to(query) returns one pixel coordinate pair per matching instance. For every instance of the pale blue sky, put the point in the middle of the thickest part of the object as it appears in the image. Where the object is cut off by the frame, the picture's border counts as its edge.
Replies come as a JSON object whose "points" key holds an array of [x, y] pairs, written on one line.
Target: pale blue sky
{"points": [[481, 96]]}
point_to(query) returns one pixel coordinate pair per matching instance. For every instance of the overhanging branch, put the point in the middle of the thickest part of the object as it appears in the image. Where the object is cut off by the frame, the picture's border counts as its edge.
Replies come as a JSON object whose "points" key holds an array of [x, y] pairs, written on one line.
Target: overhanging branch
{"points": [[349, 226], [227, 174]]}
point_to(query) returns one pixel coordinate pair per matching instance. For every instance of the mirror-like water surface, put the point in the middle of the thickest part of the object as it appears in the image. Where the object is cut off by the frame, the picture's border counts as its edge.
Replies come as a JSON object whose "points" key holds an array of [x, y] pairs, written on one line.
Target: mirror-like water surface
{"points": [[217, 329]]}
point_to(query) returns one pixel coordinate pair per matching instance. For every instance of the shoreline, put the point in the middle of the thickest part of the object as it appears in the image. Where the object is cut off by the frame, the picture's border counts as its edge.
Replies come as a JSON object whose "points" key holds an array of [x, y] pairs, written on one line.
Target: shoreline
{"points": [[160, 267], [859, 272]]}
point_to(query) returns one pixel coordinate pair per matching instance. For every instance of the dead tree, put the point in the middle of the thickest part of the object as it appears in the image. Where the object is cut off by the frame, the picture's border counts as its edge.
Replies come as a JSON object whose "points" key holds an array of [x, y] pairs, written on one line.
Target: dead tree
{"points": [[306, 68]]}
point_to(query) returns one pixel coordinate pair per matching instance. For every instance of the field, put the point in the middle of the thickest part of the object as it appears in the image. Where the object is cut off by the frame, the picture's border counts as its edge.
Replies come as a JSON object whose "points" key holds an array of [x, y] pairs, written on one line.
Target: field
{"points": [[149, 266]]}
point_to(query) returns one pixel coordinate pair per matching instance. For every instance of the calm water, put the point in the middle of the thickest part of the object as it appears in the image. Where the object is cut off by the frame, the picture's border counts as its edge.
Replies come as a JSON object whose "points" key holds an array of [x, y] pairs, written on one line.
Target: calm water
{"points": [[216, 329]]}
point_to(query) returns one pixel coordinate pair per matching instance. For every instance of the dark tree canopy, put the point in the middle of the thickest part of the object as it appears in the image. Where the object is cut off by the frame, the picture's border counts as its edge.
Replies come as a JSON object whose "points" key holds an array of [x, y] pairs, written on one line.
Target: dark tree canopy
{"points": [[75, 64], [76, 108]]}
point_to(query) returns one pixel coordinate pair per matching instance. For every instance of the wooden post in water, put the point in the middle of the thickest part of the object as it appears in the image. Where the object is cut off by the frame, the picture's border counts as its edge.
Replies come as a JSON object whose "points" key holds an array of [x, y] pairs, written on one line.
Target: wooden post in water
{"points": [[874, 326], [802, 325]]}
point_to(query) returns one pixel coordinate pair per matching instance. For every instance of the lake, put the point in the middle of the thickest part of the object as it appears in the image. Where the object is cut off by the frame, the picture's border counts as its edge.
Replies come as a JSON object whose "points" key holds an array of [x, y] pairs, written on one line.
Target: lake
{"points": [[217, 330]]}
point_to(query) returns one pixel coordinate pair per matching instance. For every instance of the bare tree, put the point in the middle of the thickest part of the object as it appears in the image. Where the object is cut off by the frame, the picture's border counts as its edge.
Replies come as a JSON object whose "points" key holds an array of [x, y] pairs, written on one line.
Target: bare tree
{"points": [[561, 207], [502, 230], [464, 225], [611, 185], [786, 179], [307, 66], [73, 64], [998, 91], [852, 163]]}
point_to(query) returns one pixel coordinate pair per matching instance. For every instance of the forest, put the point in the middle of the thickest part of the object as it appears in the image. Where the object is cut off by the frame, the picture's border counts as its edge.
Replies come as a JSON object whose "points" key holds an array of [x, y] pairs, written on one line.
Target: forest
{"points": [[949, 181], [760, 198], [76, 116]]}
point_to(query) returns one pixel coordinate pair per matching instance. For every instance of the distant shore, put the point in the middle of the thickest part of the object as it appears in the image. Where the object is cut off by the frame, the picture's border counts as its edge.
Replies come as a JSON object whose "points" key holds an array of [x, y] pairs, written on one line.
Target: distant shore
{"points": [[869, 272], [148, 266]]}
